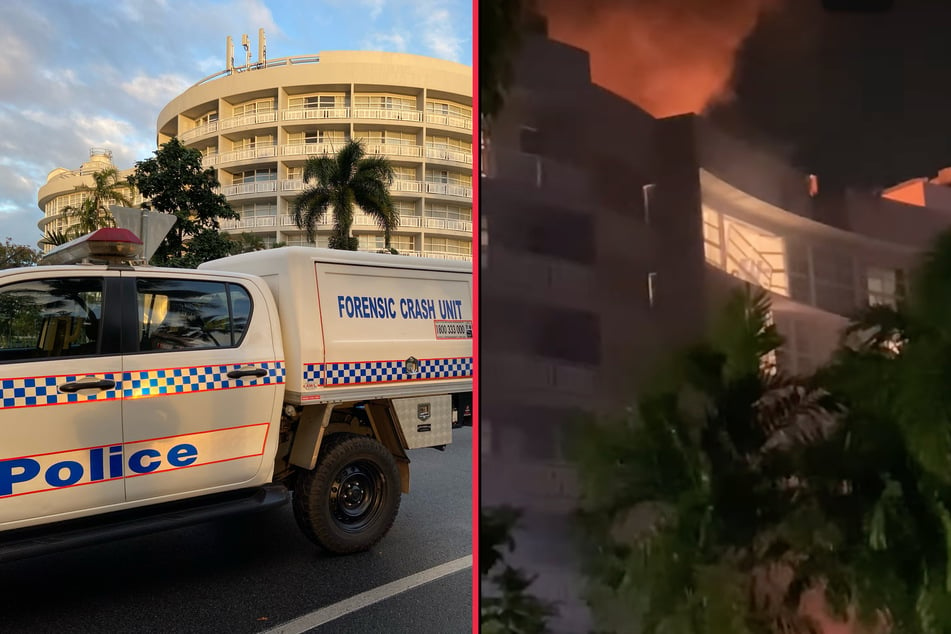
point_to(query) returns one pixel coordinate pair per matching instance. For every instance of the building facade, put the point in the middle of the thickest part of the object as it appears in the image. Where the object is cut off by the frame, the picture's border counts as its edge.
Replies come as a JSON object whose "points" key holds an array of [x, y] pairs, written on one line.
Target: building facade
{"points": [[258, 126], [609, 240]]}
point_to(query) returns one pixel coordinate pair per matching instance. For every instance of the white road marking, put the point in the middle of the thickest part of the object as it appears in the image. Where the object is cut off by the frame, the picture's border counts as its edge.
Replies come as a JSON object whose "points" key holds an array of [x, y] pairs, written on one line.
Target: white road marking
{"points": [[364, 599]]}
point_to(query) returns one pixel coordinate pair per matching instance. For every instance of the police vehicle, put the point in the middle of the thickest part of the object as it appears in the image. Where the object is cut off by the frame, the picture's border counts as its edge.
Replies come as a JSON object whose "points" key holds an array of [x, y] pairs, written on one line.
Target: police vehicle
{"points": [[135, 398]]}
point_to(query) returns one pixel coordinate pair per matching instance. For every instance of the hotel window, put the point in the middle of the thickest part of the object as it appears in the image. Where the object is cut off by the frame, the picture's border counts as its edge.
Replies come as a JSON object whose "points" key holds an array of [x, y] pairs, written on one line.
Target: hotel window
{"points": [[449, 212], [316, 136], [313, 102], [249, 143], [885, 286], [255, 176], [448, 177], [205, 119], [295, 173], [448, 245], [448, 143], [252, 107], [446, 108], [381, 137], [256, 210], [406, 207], [385, 102], [402, 173]]}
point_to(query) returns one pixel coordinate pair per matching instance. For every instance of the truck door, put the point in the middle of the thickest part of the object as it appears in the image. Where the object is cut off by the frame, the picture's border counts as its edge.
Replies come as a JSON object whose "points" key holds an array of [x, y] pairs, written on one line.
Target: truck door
{"points": [[60, 382], [203, 386]]}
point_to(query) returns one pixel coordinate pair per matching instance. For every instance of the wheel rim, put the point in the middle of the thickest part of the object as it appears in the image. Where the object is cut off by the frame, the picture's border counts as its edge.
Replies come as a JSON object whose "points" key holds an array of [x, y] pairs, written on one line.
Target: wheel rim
{"points": [[356, 495]]}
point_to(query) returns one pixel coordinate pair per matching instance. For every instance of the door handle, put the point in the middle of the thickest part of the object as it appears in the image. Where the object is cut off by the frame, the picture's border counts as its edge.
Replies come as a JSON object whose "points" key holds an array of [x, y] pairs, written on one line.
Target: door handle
{"points": [[239, 374], [99, 384]]}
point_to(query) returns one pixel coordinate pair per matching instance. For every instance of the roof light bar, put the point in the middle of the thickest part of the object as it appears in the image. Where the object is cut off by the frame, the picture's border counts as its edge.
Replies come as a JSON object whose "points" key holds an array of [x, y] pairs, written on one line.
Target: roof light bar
{"points": [[110, 245]]}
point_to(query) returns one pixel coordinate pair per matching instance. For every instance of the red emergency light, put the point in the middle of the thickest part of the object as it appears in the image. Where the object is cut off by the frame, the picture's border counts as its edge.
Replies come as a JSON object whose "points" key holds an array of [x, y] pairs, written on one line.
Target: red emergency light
{"points": [[110, 245]]}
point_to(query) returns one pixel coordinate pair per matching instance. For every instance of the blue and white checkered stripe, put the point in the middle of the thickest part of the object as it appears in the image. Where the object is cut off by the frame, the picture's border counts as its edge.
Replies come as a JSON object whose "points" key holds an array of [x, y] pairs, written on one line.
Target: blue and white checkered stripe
{"points": [[38, 391], [42, 390], [195, 379], [364, 372]]}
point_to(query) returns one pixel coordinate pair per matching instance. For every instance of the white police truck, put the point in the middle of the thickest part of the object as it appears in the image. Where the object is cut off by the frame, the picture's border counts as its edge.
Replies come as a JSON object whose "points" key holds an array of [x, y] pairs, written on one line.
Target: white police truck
{"points": [[136, 398]]}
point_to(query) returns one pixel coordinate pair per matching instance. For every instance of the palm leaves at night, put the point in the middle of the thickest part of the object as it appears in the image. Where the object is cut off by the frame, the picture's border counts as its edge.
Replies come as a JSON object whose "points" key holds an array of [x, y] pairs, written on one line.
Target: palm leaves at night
{"points": [[342, 183], [695, 496], [732, 490]]}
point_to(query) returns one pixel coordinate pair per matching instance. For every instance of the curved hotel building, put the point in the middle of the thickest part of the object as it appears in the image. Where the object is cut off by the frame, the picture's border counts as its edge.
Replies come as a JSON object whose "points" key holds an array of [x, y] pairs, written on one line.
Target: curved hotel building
{"points": [[258, 126]]}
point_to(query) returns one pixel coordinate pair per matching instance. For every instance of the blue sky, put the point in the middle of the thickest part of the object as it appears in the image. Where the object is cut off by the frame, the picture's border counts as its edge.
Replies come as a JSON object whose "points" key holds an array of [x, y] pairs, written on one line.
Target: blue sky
{"points": [[76, 74]]}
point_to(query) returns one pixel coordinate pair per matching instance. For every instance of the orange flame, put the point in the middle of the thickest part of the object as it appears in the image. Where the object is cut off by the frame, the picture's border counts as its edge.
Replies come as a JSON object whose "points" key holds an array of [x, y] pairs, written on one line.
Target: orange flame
{"points": [[668, 56]]}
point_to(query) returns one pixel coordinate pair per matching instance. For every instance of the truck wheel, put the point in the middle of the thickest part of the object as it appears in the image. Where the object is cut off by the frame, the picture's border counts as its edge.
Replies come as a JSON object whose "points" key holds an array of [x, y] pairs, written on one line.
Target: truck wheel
{"points": [[349, 501]]}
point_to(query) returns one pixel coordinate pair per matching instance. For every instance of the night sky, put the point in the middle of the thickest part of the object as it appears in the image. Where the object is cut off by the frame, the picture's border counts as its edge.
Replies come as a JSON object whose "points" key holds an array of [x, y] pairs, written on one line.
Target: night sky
{"points": [[862, 100]]}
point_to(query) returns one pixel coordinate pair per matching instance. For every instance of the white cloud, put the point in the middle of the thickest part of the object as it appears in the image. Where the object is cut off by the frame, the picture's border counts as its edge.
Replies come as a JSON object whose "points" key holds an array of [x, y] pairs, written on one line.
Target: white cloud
{"points": [[439, 28], [391, 42], [375, 6], [155, 91]]}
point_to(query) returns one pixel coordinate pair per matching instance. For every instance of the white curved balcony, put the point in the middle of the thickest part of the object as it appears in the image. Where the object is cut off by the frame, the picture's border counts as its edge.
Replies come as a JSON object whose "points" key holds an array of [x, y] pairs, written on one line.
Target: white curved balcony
{"points": [[198, 131], [309, 114], [395, 149], [249, 223], [449, 120], [447, 189], [247, 119], [448, 224], [388, 114], [445, 154], [249, 188], [298, 114], [247, 154]]}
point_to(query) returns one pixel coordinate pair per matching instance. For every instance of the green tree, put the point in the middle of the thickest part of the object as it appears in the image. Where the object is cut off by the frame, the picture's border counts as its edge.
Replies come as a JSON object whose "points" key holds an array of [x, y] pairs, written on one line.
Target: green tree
{"points": [[246, 242], [16, 255], [174, 182], [506, 605], [341, 183], [55, 238], [691, 502]]}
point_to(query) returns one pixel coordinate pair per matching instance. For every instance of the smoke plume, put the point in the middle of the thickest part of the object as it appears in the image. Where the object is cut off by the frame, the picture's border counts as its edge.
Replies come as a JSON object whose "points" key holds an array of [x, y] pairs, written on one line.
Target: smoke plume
{"points": [[667, 56]]}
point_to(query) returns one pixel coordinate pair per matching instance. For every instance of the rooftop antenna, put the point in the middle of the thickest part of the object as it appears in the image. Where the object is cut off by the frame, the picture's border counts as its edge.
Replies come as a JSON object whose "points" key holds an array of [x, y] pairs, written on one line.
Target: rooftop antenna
{"points": [[229, 55], [262, 49], [246, 43]]}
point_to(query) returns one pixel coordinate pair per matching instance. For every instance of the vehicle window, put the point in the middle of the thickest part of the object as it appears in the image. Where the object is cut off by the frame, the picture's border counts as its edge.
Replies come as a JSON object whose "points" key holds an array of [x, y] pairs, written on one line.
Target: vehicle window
{"points": [[46, 319], [190, 314]]}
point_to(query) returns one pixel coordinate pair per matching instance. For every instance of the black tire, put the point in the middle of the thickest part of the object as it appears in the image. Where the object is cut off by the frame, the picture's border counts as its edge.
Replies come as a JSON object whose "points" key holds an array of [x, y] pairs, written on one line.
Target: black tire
{"points": [[368, 472]]}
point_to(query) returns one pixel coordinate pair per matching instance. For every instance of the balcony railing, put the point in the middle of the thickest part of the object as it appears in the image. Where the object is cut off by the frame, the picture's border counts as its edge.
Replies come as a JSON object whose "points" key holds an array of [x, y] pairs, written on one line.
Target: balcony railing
{"points": [[395, 149], [446, 223], [447, 189], [311, 149], [388, 114], [249, 188], [249, 223], [297, 114], [302, 114], [449, 120], [201, 130], [266, 151], [407, 186], [444, 154], [209, 160], [248, 119]]}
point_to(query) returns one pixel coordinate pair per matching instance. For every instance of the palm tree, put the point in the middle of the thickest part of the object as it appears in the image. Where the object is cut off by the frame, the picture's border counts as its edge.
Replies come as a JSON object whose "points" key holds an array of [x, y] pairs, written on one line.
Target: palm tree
{"points": [[893, 376], [93, 212], [342, 183], [695, 505]]}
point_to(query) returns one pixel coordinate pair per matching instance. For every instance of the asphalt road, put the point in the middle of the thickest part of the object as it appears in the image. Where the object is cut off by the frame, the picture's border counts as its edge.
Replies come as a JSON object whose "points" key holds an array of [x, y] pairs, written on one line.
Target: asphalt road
{"points": [[258, 573]]}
